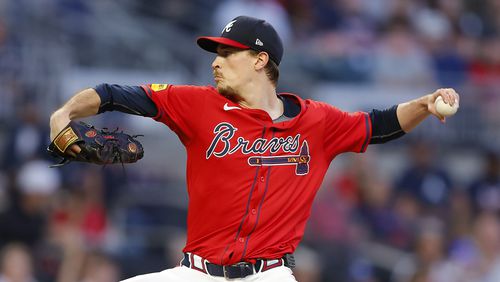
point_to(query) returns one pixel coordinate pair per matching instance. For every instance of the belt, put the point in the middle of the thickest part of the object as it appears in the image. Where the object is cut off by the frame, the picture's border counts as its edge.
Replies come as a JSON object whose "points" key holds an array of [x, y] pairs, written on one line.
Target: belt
{"points": [[238, 270]]}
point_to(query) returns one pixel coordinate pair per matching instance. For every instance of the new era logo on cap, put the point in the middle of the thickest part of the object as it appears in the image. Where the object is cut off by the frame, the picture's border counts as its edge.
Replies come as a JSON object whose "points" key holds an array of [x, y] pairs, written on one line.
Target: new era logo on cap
{"points": [[247, 33]]}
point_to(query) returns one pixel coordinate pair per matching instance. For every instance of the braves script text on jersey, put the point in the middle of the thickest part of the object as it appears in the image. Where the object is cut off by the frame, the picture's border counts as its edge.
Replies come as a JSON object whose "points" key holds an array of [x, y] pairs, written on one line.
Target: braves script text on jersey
{"points": [[251, 182]]}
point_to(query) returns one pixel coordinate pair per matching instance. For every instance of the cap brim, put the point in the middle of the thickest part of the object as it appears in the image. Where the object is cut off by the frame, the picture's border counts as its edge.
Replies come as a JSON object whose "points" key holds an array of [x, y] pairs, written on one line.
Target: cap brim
{"points": [[210, 43]]}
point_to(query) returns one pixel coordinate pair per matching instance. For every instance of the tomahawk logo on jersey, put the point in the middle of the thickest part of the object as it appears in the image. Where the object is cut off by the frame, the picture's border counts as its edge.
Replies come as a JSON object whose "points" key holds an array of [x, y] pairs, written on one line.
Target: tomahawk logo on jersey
{"points": [[227, 142], [259, 170]]}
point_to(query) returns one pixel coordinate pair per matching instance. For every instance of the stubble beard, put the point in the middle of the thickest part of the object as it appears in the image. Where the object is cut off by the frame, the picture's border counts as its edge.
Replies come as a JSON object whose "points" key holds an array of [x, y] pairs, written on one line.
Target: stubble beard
{"points": [[227, 91]]}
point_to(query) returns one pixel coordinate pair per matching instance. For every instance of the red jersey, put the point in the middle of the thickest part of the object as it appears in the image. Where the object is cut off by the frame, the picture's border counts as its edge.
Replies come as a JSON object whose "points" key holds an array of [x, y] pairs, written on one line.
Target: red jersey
{"points": [[251, 182]]}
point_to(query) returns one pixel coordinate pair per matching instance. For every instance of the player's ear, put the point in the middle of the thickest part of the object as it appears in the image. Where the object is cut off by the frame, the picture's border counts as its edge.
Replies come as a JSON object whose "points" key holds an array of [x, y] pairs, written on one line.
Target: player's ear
{"points": [[261, 60]]}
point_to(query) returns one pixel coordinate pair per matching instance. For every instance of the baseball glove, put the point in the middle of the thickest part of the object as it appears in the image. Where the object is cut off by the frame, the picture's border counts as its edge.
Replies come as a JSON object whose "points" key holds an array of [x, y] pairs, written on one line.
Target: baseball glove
{"points": [[99, 146]]}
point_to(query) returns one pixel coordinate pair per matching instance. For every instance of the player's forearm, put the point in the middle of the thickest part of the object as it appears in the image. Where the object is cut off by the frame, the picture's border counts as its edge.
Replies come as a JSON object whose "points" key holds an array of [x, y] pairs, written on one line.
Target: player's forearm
{"points": [[83, 104], [412, 113]]}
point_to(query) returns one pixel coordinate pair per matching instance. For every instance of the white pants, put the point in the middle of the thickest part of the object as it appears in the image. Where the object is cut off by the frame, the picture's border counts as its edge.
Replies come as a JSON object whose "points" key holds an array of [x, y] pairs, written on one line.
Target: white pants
{"points": [[185, 274]]}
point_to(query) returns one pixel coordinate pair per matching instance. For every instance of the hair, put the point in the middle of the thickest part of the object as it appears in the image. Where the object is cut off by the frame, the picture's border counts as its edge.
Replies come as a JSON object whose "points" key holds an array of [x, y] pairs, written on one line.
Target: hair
{"points": [[271, 68]]}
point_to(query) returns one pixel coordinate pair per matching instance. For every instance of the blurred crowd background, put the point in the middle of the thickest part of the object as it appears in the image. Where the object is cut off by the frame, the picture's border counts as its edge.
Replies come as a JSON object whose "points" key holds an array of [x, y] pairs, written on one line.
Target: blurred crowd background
{"points": [[424, 208]]}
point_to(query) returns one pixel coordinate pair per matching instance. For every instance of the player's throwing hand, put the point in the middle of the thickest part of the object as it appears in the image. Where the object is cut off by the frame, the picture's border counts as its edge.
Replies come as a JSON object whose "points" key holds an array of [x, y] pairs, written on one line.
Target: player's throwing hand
{"points": [[441, 110]]}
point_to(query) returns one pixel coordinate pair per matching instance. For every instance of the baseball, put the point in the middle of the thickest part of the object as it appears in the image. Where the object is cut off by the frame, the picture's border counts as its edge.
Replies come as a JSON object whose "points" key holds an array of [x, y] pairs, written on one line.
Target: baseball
{"points": [[444, 109]]}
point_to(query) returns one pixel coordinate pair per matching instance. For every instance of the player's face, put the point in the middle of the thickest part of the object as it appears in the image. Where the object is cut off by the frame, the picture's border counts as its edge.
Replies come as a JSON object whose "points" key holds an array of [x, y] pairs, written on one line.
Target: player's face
{"points": [[232, 68]]}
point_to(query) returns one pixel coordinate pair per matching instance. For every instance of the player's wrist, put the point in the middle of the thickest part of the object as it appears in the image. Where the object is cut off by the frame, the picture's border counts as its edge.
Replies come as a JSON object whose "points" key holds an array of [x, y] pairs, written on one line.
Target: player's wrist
{"points": [[426, 102], [58, 120]]}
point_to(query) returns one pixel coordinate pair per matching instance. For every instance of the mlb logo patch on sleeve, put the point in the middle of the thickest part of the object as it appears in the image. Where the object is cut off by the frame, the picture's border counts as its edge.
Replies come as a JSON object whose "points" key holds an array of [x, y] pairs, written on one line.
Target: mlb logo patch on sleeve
{"points": [[158, 87]]}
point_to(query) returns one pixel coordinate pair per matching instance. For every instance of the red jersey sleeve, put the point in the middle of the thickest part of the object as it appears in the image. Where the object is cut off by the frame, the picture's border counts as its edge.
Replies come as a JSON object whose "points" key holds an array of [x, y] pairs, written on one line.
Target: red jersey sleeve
{"points": [[345, 132], [179, 106]]}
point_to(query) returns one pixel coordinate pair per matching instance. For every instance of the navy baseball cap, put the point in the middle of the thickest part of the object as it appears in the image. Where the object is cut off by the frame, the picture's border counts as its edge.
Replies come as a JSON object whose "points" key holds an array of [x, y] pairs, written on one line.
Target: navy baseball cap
{"points": [[247, 33]]}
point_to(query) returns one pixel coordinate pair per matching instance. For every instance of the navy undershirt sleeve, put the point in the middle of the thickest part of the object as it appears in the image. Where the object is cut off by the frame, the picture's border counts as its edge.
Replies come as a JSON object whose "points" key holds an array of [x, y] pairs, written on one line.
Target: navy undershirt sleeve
{"points": [[127, 99], [385, 125]]}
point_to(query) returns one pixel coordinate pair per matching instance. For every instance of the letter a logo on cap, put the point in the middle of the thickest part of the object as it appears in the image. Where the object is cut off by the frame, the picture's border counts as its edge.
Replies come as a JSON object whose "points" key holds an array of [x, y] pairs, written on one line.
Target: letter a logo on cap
{"points": [[258, 42], [228, 27]]}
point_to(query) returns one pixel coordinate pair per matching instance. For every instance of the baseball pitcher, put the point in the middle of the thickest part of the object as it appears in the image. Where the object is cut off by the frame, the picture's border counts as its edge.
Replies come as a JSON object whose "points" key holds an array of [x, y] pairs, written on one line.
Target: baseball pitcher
{"points": [[256, 158]]}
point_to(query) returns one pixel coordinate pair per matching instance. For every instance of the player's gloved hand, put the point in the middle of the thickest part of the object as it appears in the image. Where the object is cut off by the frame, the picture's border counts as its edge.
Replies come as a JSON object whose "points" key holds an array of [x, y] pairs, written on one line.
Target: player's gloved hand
{"points": [[85, 143]]}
